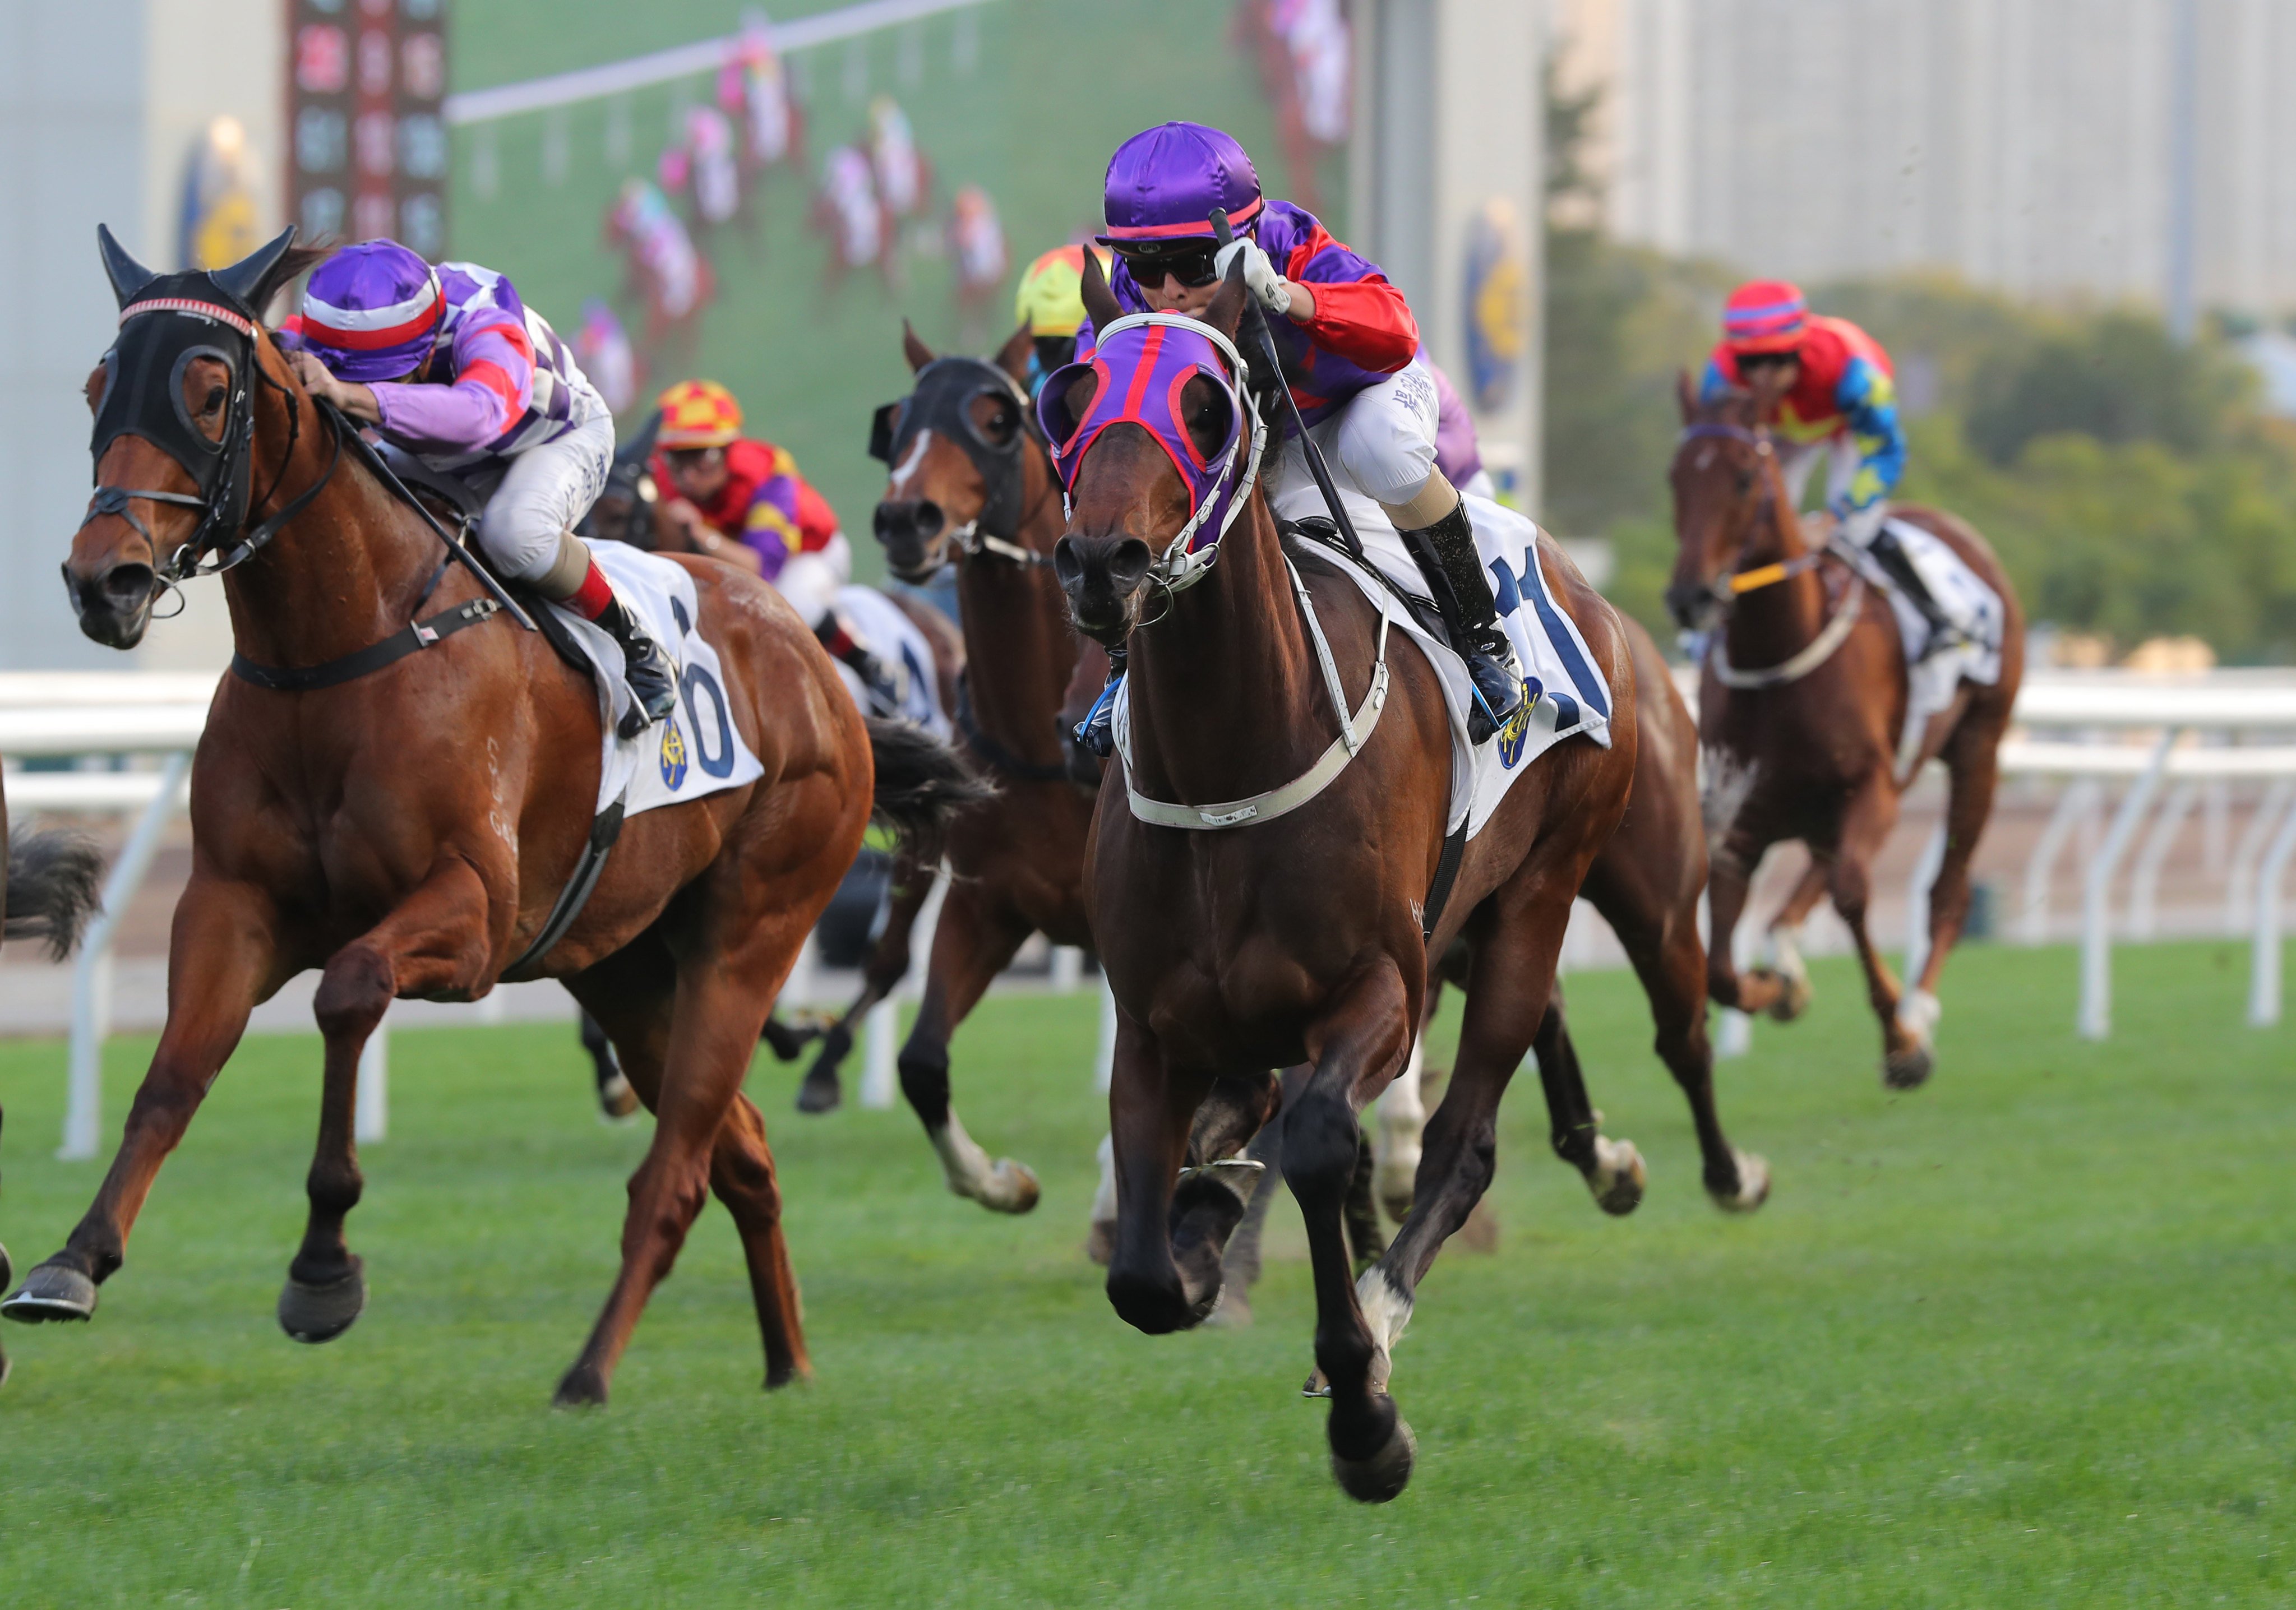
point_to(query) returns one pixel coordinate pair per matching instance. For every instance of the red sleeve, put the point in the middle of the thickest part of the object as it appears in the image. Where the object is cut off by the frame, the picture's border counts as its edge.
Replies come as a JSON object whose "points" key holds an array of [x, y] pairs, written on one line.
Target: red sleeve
{"points": [[816, 521], [1359, 315]]}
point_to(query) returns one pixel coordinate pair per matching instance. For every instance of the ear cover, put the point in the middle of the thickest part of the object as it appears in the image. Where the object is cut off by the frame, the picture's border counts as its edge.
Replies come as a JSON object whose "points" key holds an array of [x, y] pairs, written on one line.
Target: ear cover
{"points": [[128, 277], [880, 432], [1055, 417], [241, 279]]}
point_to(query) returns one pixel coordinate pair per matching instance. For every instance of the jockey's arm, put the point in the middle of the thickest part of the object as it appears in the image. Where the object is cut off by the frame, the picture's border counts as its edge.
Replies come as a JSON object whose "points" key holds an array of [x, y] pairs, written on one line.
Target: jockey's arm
{"points": [[1347, 308], [1868, 401], [494, 385]]}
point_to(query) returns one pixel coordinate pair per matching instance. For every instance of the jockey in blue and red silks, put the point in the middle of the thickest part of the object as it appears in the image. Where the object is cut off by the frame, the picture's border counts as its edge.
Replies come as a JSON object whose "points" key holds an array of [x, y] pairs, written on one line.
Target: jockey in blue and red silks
{"points": [[1830, 391], [450, 365], [1350, 352]]}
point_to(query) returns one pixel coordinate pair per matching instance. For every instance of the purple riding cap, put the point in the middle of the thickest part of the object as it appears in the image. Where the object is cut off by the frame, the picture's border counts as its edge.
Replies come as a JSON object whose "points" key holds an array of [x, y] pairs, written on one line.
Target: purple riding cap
{"points": [[1163, 185], [371, 310]]}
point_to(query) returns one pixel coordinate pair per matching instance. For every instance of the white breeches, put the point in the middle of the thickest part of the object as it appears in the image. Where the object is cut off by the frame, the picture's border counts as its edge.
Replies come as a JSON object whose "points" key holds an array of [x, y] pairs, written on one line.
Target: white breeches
{"points": [[810, 581], [544, 491], [1380, 445], [1842, 461]]}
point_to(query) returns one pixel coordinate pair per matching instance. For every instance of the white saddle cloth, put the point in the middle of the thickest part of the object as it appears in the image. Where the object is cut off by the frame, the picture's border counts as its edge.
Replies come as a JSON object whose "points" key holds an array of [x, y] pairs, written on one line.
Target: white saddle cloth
{"points": [[1966, 600], [698, 751], [894, 639], [1565, 693]]}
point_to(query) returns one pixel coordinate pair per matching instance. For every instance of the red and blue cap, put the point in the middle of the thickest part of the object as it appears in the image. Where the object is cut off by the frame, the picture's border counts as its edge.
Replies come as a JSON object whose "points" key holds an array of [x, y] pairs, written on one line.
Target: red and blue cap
{"points": [[1766, 315], [1164, 184], [370, 312]]}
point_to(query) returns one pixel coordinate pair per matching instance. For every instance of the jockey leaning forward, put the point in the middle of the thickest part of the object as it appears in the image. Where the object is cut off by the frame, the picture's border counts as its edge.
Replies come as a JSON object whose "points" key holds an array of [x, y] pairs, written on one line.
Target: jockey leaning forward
{"points": [[1829, 390], [742, 501], [451, 366], [1350, 353]]}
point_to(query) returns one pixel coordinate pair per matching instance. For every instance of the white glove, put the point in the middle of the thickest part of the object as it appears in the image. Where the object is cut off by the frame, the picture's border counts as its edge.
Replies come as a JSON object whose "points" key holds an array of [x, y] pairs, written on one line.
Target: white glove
{"points": [[1259, 275]]}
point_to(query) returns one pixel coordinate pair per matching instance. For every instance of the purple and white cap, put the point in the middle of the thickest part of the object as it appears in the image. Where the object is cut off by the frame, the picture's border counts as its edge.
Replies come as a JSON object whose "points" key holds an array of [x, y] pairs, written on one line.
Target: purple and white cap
{"points": [[370, 312], [1165, 183]]}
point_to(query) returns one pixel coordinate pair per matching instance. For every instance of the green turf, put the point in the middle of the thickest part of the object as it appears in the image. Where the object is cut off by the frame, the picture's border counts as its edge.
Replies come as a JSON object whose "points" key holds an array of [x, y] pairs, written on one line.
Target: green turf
{"points": [[2022, 1339]]}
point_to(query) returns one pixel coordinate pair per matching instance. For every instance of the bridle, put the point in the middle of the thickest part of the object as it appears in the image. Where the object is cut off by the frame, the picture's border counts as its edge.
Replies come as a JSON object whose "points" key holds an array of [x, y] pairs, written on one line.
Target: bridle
{"points": [[941, 400]]}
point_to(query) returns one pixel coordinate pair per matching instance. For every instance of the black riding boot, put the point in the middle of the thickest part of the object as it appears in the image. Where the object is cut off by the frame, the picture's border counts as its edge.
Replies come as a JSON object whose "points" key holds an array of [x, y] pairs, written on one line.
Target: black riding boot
{"points": [[1899, 567], [653, 679], [1446, 556]]}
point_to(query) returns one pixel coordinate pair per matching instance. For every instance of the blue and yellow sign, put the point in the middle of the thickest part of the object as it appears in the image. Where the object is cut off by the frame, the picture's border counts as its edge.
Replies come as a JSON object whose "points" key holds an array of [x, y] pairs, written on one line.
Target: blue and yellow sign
{"points": [[218, 226], [1499, 303], [674, 758]]}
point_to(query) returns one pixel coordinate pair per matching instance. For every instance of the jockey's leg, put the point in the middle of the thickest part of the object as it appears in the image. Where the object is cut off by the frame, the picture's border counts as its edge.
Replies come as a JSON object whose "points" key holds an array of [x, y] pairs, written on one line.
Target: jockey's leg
{"points": [[527, 531], [1386, 443]]}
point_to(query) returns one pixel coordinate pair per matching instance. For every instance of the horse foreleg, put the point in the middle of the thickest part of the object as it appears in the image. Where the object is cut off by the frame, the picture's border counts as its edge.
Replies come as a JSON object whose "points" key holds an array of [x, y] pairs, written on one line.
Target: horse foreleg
{"points": [[1873, 811], [888, 963], [1728, 881], [970, 946], [1973, 761], [436, 943], [1356, 1049], [221, 961], [1613, 1170], [1785, 962], [1152, 1108]]}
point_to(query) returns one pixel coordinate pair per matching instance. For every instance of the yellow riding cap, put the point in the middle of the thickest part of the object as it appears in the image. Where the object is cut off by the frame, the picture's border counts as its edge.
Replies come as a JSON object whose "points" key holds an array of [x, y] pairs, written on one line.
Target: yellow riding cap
{"points": [[699, 414], [1050, 299]]}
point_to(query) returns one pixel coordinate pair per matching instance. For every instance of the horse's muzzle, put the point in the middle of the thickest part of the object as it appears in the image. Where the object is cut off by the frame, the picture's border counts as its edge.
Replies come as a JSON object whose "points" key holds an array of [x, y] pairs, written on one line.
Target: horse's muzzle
{"points": [[114, 604], [910, 530], [1103, 578], [1694, 606]]}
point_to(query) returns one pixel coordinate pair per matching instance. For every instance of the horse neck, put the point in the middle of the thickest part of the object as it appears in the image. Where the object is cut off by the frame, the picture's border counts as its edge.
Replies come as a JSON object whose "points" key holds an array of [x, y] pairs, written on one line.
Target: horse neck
{"points": [[1774, 623], [1223, 689], [344, 572], [1019, 649]]}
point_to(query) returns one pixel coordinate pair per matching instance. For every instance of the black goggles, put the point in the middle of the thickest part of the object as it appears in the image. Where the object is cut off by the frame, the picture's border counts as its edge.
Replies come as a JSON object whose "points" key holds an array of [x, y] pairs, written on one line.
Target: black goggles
{"points": [[1189, 262]]}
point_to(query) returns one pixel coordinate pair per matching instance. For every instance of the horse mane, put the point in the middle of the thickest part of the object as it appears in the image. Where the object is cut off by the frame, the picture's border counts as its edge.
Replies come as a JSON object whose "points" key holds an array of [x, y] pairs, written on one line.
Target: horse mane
{"points": [[293, 263]]}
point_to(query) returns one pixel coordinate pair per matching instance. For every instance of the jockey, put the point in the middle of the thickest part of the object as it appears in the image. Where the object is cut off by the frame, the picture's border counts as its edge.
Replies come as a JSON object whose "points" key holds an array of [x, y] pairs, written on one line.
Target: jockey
{"points": [[1051, 302], [1826, 386], [1350, 353], [742, 501], [453, 368]]}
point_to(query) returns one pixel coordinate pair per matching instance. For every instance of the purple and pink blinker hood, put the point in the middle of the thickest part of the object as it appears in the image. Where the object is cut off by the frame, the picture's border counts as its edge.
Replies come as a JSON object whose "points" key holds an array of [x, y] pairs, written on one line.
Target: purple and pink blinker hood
{"points": [[1143, 363]]}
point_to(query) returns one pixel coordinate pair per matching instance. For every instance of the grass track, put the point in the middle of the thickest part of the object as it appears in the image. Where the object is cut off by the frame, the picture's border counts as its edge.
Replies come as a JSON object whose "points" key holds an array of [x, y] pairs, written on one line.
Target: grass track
{"points": [[2023, 1338]]}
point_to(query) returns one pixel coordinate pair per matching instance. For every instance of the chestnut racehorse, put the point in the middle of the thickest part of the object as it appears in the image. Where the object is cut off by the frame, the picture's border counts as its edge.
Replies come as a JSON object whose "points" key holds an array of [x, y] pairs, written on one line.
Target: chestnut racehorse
{"points": [[1814, 755], [409, 830], [1236, 950], [971, 483]]}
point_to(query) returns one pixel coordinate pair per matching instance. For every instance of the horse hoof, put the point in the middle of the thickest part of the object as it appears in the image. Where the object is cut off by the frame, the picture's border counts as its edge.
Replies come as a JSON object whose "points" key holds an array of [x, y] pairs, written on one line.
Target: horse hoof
{"points": [[1232, 1312], [1012, 1189], [51, 1292], [1100, 1242], [1318, 1386], [1794, 997], [7, 1269], [618, 1103], [1753, 1184], [1908, 1069], [1383, 1477], [1618, 1178], [581, 1387], [820, 1093], [321, 1314]]}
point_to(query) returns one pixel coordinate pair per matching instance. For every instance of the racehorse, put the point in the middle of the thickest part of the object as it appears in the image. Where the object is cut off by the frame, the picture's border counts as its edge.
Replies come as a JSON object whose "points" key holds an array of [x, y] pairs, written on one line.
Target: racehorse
{"points": [[972, 483], [402, 807], [1238, 949], [48, 890], [1806, 745]]}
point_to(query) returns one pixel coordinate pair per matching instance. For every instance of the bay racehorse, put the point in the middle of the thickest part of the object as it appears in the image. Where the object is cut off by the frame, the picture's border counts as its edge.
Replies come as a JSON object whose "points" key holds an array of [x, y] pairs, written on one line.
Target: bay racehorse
{"points": [[1305, 938], [47, 891], [972, 484], [1802, 739], [408, 826]]}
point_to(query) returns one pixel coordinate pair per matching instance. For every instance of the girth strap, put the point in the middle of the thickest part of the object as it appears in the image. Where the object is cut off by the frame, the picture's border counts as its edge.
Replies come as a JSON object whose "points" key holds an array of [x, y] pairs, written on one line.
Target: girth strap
{"points": [[603, 830], [1438, 893], [422, 634]]}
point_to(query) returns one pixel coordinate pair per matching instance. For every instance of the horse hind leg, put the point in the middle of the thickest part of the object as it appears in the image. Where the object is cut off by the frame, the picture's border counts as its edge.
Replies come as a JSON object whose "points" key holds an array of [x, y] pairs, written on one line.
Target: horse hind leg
{"points": [[970, 946], [616, 1101], [1786, 966], [1907, 1059], [1613, 1170], [741, 1174], [821, 1090], [1973, 763]]}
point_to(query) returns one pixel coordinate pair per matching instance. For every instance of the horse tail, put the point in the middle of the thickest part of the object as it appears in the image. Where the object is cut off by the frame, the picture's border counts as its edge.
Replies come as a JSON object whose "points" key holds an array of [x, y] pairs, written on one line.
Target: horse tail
{"points": [[53, 887], [922, 783]]}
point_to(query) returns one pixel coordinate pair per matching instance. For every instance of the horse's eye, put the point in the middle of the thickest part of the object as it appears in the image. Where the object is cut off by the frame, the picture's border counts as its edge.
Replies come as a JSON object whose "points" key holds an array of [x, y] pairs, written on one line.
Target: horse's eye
{"points": [[1745, 480], [215, 401]]}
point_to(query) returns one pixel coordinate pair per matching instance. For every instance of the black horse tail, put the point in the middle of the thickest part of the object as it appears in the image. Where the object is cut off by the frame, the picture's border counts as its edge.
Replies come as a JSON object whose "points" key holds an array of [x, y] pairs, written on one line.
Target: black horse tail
{"points": [[54, 885], [922, 783]]}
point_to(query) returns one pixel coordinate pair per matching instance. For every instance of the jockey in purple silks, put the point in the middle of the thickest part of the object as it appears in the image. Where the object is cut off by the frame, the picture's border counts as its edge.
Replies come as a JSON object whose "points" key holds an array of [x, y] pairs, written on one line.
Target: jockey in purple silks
{"points": [[452, 367], [1350, 353]]}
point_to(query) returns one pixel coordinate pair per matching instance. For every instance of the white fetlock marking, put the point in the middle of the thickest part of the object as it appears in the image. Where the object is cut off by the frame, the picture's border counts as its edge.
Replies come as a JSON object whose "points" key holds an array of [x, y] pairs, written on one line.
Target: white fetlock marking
{"points": [[1103, 1200], [1402, 1119], [1786, 957], [970, 1172], [1615, 1160], [1753, 1179], [1386, 1310], [1918, 1013]]}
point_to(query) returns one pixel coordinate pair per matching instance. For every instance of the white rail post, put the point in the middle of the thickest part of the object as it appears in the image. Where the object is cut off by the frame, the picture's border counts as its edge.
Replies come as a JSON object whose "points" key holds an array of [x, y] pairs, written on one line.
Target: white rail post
{"points": [[2095, 1018], [2240, 876], [1104, 1062], [2144, 877], [881, 1050], [91, 1013], [1917, 903], [2072, 805], [2264, 951], [371, 1116], [1067, 969]]}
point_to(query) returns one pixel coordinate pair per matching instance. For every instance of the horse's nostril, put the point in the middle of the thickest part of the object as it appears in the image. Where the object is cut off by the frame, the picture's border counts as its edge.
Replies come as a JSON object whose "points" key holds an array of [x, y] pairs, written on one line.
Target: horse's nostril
{"points": [[930, 520]]}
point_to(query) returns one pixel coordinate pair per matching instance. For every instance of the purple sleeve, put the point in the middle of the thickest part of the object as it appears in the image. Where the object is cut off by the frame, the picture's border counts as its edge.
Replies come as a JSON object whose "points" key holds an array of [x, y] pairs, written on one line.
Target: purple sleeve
{"points": [[1457, 454], [494, 383]]}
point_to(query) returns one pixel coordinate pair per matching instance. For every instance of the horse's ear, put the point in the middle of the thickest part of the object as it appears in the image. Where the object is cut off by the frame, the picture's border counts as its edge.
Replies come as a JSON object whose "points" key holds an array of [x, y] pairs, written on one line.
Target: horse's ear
{"points": [[639, 448], [1013, 357], [128, 275], [1226, 313], [244, 277], [1099, 300], [918, 354], [1686, 392]]}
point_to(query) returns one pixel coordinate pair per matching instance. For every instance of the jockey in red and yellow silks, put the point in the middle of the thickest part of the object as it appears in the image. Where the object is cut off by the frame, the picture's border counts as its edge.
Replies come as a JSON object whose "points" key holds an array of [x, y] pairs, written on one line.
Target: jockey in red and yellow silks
{"points": [[1829, 390]]}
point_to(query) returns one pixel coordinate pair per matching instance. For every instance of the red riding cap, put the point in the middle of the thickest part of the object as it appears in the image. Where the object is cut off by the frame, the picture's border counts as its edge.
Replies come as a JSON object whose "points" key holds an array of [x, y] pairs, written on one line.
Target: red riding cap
{"points": [[1766, 315]]}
